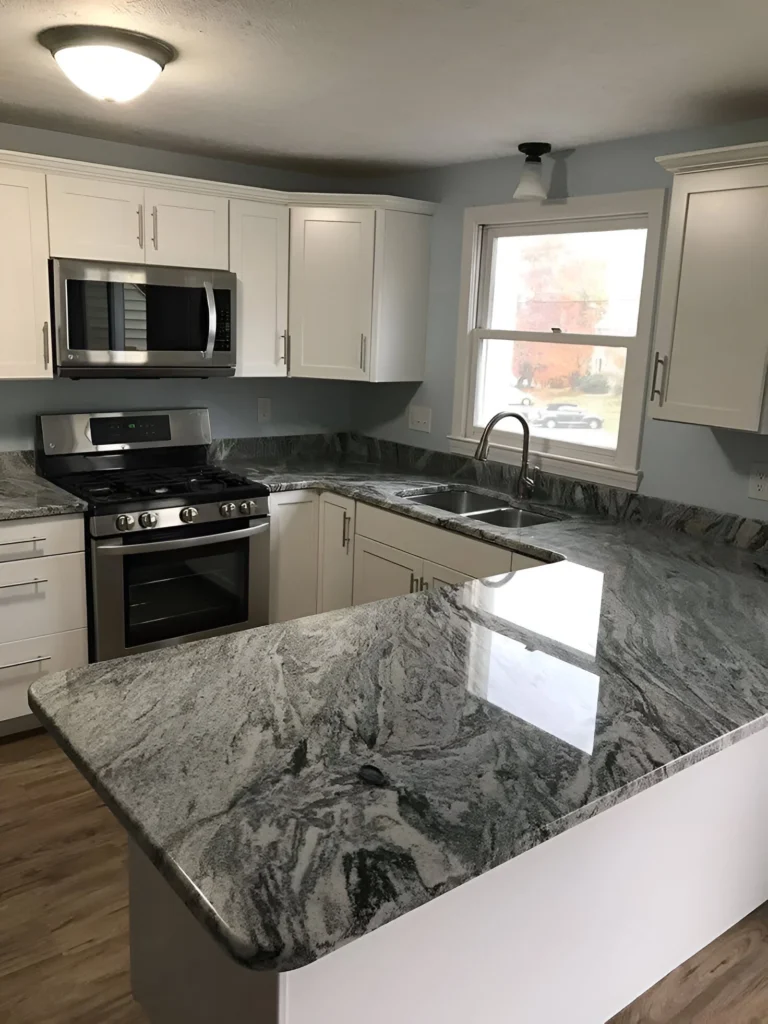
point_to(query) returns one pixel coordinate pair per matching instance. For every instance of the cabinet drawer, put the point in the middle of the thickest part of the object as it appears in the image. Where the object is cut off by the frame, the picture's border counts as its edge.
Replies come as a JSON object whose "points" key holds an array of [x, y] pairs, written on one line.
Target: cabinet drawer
{"points": [[25, 661], [42, 595], [472, 557], [35, 538]]}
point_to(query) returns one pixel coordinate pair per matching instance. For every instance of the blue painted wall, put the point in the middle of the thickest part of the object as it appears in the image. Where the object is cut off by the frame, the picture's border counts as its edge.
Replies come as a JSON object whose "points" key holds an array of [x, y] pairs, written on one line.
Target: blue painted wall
{"points": [[679, 462]]}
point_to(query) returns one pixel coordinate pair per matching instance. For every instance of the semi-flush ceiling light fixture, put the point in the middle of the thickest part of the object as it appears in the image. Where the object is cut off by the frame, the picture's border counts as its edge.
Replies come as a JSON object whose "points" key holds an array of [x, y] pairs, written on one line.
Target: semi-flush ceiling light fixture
{"points": [[532, 179], [108, 63]]}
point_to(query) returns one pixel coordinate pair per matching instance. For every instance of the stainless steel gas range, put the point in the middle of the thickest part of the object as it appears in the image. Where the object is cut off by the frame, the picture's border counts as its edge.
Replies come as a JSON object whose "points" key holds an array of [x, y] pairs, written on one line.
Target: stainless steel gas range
{"points": [[177, 548]]}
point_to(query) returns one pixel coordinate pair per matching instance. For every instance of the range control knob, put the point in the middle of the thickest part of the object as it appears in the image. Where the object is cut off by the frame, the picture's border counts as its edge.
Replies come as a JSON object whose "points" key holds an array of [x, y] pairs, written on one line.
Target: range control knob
{"points": [[248, 508], [125, 522], [227, 509], [147, 520], [188, 515]]}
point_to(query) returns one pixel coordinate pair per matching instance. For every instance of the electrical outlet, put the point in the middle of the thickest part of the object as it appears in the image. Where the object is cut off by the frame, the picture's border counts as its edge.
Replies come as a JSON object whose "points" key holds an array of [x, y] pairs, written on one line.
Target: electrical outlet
{"points": [[420, 418], [758, 481], [264, 406]]}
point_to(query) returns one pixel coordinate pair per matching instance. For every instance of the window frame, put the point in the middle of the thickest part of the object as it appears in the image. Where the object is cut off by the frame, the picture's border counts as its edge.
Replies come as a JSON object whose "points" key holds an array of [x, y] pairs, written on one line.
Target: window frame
{"points": [[482, 224]]}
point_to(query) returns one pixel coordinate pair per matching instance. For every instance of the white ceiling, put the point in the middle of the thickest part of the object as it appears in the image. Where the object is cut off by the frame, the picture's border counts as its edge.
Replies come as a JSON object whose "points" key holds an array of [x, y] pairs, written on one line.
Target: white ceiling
{"points": [[400, 82]]}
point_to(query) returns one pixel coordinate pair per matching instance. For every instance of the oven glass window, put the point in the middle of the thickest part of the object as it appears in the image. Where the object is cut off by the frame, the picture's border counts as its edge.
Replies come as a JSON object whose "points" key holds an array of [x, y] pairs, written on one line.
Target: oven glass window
{"points": [[176, 593], [115, 316]]}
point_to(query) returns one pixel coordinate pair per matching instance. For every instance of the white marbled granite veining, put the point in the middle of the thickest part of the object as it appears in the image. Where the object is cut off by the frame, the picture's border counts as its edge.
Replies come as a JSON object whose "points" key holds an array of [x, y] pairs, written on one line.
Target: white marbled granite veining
{"points": [[24, 494]]}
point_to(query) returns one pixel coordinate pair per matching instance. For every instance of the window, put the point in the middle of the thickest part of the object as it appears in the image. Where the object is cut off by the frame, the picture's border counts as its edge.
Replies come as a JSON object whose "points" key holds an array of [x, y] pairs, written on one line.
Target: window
{"points": [[558, 304]]}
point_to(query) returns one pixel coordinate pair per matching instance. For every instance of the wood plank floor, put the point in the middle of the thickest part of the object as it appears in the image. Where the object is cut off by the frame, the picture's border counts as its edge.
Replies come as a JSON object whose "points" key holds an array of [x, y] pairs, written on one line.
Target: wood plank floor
{"points": [[64, 915]]}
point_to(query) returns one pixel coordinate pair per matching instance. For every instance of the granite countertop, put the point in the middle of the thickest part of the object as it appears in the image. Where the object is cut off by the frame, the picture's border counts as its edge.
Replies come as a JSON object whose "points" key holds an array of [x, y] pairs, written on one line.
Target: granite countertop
{"points": [[25, 495], [500, 713]]}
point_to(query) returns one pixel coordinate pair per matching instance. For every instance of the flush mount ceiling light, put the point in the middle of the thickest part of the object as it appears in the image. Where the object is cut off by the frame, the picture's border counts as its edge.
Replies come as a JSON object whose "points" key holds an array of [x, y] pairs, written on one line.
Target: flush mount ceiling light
{"points": [[108, 63], [532, 179]]}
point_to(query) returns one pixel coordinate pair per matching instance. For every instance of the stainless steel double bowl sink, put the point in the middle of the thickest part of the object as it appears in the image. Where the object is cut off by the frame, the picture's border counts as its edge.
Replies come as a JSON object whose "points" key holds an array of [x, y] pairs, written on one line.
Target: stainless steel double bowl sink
{"points": [[481, 508]]}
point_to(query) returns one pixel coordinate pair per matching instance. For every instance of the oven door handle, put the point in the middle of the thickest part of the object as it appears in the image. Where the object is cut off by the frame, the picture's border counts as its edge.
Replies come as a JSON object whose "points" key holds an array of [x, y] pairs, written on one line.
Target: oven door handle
{"points": [[182, 542], [211, 319]]}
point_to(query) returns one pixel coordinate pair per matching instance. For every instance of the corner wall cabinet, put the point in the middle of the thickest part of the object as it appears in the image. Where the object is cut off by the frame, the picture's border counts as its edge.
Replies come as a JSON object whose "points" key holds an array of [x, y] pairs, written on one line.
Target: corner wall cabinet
{"points": [[712, 343], [358, 293], [25, 335]]}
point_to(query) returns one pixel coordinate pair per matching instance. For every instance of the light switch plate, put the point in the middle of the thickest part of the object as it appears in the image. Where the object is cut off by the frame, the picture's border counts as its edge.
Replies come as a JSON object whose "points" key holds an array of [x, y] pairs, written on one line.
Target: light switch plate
{"points": [[420, 418], [264, 406], [758, 481]]}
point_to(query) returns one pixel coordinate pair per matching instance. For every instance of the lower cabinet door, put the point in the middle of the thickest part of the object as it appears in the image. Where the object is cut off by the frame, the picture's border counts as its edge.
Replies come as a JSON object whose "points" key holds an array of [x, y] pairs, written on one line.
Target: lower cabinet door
{"points": [[382, 571], [24, 661], [434, 575], [293, 555], [337, 538]]}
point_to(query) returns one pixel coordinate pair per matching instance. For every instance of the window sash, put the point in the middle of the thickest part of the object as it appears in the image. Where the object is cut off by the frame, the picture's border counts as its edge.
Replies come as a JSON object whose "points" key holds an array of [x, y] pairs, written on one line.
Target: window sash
{"points": [[491, 232], [632, 404]]}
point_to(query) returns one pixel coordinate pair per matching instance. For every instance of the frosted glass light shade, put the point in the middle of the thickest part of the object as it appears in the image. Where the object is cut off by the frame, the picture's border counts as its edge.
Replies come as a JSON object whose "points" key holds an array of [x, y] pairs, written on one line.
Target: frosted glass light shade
{"points": [[108, 72], [531, 182]]}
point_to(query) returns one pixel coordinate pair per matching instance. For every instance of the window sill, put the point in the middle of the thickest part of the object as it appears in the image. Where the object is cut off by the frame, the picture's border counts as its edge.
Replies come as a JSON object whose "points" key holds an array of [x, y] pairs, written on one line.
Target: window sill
{"points": [[557, 465]]}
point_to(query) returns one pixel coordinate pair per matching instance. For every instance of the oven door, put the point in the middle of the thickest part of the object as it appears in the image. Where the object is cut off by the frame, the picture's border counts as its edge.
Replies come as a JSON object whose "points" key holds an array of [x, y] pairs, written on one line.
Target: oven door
{"points": [[176, 587], [134, 320]]}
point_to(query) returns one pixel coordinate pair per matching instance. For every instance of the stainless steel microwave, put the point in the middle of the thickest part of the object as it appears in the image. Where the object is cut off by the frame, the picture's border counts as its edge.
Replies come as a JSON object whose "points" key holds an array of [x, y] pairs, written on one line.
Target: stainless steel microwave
{"points": [[119, 320]]}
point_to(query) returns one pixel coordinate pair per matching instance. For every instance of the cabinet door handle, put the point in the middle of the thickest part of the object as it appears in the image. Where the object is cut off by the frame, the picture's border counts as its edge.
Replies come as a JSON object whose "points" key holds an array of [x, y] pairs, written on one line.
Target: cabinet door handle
{"points": [[154, 226], [362, 352], [414, 581], [345, 538], [30, 661], [284, 353], [423, 585], [658, 391], [22, 583], [46, 346], [140, 215], [24, 540]]}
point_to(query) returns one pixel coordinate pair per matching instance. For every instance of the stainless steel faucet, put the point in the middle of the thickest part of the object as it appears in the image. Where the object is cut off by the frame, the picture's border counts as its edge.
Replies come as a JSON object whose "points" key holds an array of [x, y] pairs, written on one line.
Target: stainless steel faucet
{"points": [[525, 483]]}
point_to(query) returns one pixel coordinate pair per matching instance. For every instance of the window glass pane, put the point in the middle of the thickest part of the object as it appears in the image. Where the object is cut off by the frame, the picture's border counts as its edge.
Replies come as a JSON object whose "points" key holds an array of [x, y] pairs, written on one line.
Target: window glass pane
{"points": [[582, 283], [568, 393]]}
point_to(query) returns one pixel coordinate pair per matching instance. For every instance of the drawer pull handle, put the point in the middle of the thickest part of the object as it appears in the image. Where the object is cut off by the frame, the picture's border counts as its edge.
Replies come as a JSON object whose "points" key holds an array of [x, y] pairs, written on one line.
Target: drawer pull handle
{"points": [[22, 583], [25, 540], [30, 661]]}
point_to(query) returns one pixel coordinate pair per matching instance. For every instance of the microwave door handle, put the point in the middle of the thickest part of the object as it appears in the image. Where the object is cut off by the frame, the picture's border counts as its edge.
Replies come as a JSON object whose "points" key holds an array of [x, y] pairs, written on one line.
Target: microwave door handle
{"points": [[211, 319], [182, 542]]}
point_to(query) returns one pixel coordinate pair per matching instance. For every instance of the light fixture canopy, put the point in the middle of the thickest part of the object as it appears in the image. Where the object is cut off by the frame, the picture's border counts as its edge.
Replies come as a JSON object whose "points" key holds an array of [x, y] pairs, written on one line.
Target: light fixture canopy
{"points": [[531, 184], [108, 63]]}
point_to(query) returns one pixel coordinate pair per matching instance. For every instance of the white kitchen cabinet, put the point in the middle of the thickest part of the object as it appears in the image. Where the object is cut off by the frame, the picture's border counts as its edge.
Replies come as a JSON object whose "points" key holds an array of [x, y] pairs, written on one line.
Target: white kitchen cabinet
{"points": [[358, 293], [331, 292], [293, 554], [710, 367], [434, 575], [382, 571], [24, 340], [119, 222], [258, 254], [186, 229], [23, 662], [337, 552], [43, 617], [465, 555], [90, 219]]}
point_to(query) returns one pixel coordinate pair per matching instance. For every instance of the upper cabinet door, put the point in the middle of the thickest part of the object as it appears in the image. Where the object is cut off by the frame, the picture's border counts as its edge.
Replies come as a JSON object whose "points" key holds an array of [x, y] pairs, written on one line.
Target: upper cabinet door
{"points": [[258, 254], [186, 229], [331, 292], [712, 341], [95, 220], [24, 341]]}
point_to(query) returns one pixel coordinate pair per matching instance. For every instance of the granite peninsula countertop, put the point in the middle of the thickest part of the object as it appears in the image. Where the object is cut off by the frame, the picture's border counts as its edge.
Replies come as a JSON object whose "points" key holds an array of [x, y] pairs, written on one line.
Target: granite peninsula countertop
{"points": [[25, 495], [500, 713]]}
